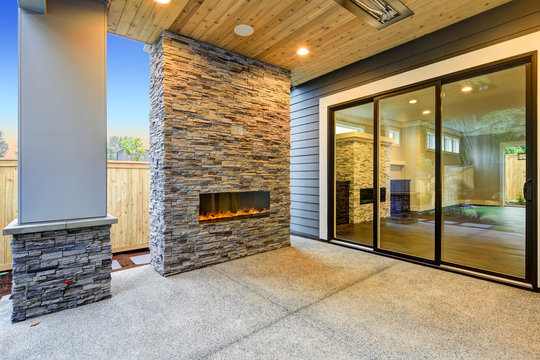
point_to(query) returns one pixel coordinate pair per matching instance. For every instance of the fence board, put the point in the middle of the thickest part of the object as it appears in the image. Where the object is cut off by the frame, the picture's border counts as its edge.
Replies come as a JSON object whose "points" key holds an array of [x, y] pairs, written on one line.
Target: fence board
{"points": [[515, 177], [8, 208], [128, 189], [128, 198]]}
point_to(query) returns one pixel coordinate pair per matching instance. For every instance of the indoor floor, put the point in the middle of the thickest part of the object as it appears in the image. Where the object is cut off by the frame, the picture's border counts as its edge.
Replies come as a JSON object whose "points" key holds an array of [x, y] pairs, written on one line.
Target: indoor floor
{"points": [[310, 301], [499, 247]]}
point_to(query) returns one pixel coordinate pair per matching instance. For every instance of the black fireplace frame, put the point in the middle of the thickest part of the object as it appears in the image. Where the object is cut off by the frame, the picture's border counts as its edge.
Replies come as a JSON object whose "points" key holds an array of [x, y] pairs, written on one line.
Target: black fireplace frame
{"points": [[234, 201]]}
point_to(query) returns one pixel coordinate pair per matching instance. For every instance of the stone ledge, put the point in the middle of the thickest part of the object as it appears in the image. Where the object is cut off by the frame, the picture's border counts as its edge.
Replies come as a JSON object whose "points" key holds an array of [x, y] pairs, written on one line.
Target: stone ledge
{"points": [[14, 228]]}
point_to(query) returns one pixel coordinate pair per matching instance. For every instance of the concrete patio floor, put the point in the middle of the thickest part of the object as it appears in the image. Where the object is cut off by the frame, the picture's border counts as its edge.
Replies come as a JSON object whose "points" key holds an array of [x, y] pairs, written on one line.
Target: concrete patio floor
{"points": [[310, 301]]}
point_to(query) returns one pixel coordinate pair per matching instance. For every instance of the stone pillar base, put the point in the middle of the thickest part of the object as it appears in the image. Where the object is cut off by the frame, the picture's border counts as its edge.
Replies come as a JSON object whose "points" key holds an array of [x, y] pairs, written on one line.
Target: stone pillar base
{"points": [[59, 269]]}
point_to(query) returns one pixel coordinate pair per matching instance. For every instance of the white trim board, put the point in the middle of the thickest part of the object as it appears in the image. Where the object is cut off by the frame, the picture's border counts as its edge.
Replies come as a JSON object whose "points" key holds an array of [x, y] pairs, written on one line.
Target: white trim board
{"points": [[503, 50]]}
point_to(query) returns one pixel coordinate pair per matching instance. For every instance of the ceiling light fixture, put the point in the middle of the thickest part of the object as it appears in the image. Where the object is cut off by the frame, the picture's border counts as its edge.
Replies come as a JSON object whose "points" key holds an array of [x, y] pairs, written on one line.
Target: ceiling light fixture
{"points": [[413, 101], [302, 51], [163, 1], [426, 112], [377, 13], [243, 30], [466, 88]]}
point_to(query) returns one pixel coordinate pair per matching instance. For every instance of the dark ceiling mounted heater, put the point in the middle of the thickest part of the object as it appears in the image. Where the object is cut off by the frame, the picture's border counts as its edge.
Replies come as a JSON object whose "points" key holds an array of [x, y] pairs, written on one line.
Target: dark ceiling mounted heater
{"points": [[377, 13]]}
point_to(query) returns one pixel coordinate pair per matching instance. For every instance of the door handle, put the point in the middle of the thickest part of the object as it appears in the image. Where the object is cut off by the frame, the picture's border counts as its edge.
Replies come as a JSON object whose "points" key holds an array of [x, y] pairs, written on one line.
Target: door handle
{"points": [[527, 193]]}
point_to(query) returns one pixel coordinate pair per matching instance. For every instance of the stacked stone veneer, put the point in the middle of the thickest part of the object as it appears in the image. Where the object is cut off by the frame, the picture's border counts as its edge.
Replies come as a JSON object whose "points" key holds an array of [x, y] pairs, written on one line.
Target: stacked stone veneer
{"points": [[219, 122], [61, 269], [354, 163]]}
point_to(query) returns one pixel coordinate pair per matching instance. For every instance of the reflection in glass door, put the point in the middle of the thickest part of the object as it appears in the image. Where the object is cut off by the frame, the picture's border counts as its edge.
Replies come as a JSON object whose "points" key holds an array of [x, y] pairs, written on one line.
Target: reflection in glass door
{"points": [[484, 158], [407, 173], [354, 174], [455, 172]]}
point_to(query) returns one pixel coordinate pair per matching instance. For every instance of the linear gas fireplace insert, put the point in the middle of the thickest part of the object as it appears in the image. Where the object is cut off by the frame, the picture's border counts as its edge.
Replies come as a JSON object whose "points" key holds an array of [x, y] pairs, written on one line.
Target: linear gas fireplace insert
{"points": [[225, 206]]}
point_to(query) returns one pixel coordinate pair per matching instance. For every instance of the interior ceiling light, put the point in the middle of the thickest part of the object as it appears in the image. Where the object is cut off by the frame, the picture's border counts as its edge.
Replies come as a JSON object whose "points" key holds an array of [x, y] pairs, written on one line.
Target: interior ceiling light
{"points": [[302, 51], [413, 101], [466, 88], [243, 30], [377, 13], [426, 112], [163, 1]]}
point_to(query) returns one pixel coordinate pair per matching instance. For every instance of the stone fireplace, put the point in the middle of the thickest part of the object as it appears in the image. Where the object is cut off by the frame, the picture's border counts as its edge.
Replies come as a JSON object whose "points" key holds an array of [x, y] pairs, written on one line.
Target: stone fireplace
{"points": [[354, 170], [219, 148]]}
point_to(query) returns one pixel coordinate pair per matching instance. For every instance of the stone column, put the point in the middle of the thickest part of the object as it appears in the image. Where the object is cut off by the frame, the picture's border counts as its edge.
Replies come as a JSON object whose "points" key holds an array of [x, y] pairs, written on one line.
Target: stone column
{"points": [[61, 243], [59, 266]]}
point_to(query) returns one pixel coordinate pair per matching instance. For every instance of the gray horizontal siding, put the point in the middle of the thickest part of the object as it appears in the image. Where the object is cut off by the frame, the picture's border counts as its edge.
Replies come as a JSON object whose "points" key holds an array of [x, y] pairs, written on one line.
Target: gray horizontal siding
{"points": [[308, 158], [311, 126], [306, 214], [303, 182], [307, 135], [505, 22], [300, 205], [302, 144], [304, 230], [302, 221], [305, 190], [312, 199], [304, 152]]}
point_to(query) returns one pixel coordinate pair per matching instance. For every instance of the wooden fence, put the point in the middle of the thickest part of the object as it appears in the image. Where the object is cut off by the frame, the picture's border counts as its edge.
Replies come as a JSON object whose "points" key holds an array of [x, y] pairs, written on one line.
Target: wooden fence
{"points": [[455, 181], [515, 176], [8, 207], [128, 198]]}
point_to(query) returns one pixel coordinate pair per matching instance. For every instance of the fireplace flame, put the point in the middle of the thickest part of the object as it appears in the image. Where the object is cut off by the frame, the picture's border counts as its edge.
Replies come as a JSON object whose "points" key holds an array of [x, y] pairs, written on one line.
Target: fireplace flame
{"points": [[229, 214]]}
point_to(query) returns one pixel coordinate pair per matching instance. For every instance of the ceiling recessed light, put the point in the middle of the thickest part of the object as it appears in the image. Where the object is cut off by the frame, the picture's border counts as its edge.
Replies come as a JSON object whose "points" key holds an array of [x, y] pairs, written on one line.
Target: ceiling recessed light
{"points": [[163, 1], [466, 88], [426, 112], [302, 51], [413, 101], [243, 30]]}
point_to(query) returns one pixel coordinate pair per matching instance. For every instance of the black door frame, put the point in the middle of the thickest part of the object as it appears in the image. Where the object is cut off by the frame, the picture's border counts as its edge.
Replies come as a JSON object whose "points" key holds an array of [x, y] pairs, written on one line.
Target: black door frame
{"points": [[376, 228], [531, 255]]}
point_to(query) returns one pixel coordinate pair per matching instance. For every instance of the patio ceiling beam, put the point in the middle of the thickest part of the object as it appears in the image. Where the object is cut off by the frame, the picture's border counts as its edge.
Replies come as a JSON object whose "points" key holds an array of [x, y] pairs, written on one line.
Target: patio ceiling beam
{"points": [[34, 6], [40, 6]]}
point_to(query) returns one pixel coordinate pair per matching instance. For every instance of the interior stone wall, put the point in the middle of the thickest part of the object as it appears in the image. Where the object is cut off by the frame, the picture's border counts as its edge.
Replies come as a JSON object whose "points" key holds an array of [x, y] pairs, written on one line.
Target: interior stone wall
{"points": [[219, 122], [354, 163]]}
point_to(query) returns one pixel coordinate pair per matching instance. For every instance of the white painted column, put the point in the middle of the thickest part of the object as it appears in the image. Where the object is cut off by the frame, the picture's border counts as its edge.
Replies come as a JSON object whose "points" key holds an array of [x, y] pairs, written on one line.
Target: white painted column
{"points": [[62, 111]]}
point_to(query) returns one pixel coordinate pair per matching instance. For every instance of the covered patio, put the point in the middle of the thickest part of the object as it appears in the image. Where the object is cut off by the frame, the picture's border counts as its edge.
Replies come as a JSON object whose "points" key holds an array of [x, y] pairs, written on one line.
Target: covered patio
{"points": [[311, 300], [236, 213]]}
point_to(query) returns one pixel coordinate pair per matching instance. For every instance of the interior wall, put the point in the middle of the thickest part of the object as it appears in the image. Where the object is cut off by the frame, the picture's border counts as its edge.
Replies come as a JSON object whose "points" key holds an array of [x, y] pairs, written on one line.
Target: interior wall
{"points": [[508, 21], [62, 112]]}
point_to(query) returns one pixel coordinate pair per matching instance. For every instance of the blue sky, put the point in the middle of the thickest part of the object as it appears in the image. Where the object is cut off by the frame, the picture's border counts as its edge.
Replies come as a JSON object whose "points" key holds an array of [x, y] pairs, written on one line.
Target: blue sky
{"points": [[127, 82]]}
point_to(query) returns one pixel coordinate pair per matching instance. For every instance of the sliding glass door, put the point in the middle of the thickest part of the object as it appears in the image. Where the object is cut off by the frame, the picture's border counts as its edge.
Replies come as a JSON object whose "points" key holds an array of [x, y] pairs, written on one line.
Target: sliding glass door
{"points": [[484, 163], [441, 172], [407, 172], [354, 173]]}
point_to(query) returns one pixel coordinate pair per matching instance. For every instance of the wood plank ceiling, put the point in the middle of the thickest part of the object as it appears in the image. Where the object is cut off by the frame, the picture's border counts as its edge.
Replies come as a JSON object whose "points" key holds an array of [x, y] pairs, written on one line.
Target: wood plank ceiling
{"points": [[334, 36]]}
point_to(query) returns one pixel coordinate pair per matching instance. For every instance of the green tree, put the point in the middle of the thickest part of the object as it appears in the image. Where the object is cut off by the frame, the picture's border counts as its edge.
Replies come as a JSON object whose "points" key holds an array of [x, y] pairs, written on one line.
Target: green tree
{"points": [[3, 145], [516, 150], [133, 148], [114, 144]]}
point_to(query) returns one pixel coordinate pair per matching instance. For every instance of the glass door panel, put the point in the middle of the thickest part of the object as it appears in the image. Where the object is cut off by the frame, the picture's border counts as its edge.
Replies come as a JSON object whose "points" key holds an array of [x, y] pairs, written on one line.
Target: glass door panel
{"points": [[354, 174], [484, 158], [407, 173]]}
